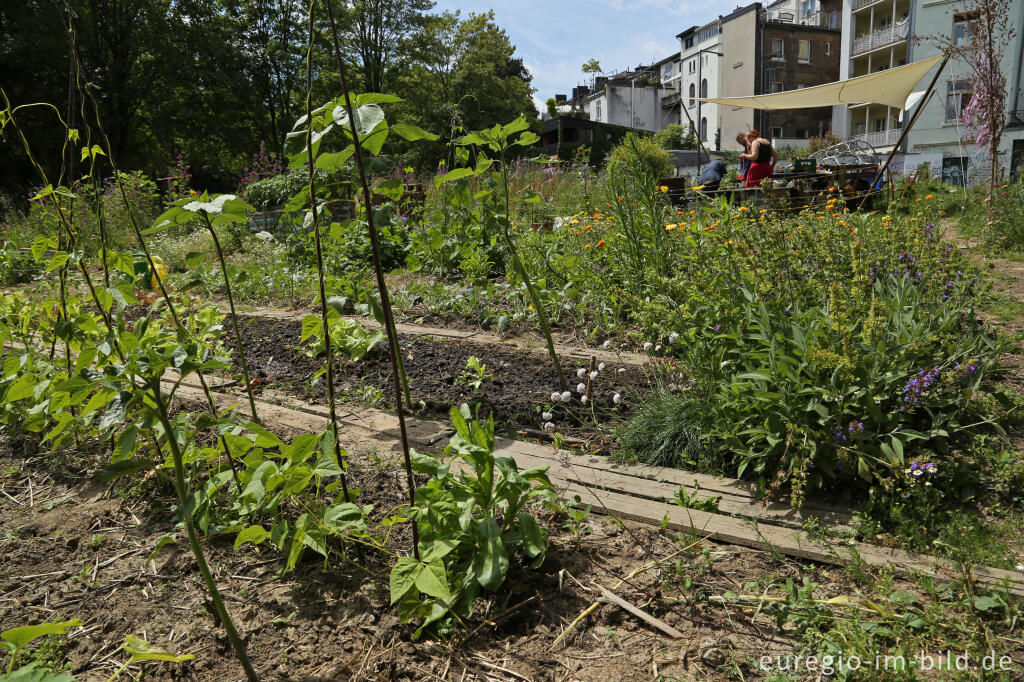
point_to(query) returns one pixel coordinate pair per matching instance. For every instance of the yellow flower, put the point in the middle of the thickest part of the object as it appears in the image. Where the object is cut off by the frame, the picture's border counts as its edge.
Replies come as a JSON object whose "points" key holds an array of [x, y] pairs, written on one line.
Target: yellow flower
{"points": [[671, 226], [743, 209], [664, 188], [698, 188]]}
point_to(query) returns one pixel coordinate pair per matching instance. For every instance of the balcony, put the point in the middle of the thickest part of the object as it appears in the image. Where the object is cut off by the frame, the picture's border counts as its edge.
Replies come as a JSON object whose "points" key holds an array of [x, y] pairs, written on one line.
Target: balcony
{"points": [[883, 138], [861, 4], [670, 101], [882, 38]]}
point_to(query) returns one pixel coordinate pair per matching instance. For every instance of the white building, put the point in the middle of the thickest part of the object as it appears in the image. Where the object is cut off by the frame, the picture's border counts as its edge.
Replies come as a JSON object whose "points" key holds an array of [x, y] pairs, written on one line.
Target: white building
{"points": [[700, 61], [630, 98]]}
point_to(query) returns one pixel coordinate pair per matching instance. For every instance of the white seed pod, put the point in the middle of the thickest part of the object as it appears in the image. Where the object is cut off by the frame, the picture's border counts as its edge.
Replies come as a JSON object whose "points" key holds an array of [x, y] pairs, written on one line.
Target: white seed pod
{"points": [[616, 398], [581, 388], [593, 375], [600, 367], [606, 343], [566, 396], [647, 345], [556, 397], [621, 370], [547, 416], [657, 348], [583, 399], [580, 372], [549, 427]]}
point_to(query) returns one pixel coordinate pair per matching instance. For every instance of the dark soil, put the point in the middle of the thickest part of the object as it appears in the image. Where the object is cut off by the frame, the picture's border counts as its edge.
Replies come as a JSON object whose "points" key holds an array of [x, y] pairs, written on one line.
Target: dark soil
{"points": [[518, 392]]}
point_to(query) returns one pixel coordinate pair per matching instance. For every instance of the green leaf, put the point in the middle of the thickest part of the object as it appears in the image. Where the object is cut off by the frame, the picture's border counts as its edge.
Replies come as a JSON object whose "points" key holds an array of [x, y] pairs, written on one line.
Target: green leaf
{"points": [[491, 562], [141, 650], [863, 470], [374, 98], [161, 542], [254, 534], [411, 132], [403, 577], [534, 537], [986, 603], [194, 258], [438, 549], [19, 637], [392, 189], [432, 580], [32, 673], [528, 138], [312, 326], [453, 175]]}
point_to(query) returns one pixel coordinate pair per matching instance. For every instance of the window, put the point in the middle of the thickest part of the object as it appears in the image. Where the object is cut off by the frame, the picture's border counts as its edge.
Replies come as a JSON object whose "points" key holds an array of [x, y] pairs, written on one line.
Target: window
{"points": [[828, 49], [704, 129], [879, 125], [801, 86], [776, 133], [807, 8], [693, 66], [778, 86], [804, 55], [801, 133], [963, 27], [598, 110], [704, 88], [707, 34], [689, 42], [693, 94], [778, 49], [958, 94]]}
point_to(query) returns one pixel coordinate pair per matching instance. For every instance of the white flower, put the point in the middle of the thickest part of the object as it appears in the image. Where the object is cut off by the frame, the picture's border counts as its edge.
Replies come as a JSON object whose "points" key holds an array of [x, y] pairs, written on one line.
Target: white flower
{"points": [[566, 396], [606, 343], [672, 337], [657, 348], [724, 363], [616, 398], [593, 375], [1020, 567], [264, 236], [580, 372], [556, 397], [621, 370], [600, 366], [583, 399], [581, 388], [547, 416], [549, 427], [647, 345]]}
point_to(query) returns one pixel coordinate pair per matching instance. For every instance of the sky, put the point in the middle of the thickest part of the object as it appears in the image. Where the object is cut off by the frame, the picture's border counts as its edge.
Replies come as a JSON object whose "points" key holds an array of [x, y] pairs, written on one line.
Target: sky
{"points": [[555, 37]]}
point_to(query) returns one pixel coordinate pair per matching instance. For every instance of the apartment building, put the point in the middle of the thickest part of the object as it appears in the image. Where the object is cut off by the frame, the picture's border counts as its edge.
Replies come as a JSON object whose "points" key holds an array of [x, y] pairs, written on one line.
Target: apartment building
{"points": [[882, 34], [757, 49], [631, 98]]}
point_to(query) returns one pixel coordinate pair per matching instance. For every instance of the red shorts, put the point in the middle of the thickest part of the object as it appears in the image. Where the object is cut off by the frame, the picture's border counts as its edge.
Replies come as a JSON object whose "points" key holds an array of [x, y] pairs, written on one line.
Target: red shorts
{"points": [[758, 171]]}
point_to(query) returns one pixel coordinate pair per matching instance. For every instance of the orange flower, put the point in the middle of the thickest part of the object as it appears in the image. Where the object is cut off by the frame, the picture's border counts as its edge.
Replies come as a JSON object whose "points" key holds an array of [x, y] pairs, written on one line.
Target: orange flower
{"points": [[597, 215], [586, 246], [600, 243], [930, 196], [917, 199]]}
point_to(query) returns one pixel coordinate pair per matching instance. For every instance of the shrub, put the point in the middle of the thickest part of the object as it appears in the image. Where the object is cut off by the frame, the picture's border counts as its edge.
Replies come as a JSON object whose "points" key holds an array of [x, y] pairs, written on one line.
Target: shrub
{"points": [[640, 156], [279, 189]]}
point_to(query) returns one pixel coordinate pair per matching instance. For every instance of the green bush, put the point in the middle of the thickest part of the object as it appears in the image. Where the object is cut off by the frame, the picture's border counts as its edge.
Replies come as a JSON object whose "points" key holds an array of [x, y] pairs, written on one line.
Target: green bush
{"points": [[640, 155], [676, 137], [279, 189]]}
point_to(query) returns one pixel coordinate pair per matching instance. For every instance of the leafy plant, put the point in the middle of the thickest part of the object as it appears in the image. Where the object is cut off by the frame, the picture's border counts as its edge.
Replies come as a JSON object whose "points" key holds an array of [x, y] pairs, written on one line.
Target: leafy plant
{"points": [[476, 373], [472, 516]]}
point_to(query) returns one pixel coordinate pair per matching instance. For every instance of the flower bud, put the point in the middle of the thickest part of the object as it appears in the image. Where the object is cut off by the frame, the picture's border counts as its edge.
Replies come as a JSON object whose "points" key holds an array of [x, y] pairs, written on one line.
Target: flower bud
{"points": [[581, 388], [549, 427], [566, 396], [547, 416]]}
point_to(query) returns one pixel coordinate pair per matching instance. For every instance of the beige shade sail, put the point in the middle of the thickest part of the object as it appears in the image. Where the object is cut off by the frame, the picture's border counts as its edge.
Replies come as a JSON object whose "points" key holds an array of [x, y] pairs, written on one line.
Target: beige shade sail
{"points": [[890, 87]]}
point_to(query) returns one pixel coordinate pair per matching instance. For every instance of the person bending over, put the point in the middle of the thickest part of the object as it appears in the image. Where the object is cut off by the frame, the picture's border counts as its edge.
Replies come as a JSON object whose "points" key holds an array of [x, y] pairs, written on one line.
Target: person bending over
{"points": [[711, 176], [741, 140], [762, 157]]}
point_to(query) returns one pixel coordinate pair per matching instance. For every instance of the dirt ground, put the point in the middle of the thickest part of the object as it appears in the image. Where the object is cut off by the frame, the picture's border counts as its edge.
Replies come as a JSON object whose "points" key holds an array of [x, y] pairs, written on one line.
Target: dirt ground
{"points": [[76, 548]]}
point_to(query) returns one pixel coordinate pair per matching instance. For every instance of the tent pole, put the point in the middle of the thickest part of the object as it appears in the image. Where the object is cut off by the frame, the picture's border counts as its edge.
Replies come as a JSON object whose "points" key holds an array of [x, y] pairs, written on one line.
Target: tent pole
{"points": [[912, 121]]}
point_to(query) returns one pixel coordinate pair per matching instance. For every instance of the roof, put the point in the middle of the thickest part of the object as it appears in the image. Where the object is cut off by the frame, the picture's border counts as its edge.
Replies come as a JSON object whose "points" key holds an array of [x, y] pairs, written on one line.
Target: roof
{"points": [[740, 11], [692, 29]]}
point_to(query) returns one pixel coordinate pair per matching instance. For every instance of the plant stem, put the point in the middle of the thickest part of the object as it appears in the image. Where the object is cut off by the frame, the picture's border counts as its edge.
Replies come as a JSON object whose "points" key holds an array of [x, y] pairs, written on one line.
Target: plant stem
{"points": [[234, 317], [181, 487], [385, 302], [329, 355], [517, 265]]}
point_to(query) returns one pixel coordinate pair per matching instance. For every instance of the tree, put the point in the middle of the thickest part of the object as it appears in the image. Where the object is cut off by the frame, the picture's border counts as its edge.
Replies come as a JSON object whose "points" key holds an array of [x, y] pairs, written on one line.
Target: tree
{"points": [[982, 33], [591, 66], [464, 76], [381, 33]]}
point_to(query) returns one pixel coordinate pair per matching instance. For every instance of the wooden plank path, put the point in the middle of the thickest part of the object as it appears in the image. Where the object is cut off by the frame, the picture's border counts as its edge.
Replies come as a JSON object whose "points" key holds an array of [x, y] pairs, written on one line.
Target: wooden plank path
{"points": [[529, 344], [638, 493]]}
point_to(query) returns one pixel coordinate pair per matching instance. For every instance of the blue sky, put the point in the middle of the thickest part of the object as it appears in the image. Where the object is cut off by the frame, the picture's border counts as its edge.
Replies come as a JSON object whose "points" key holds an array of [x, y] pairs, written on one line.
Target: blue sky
{"points": [[555, 37]]}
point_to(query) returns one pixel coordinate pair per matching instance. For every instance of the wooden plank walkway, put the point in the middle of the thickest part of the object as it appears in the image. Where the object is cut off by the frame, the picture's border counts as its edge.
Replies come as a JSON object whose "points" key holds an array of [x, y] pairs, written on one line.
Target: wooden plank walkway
{"points": [[626, 492]]}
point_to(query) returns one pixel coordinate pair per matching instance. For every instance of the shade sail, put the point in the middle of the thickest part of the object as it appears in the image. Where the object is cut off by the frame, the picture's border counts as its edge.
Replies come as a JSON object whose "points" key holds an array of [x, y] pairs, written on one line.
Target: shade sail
{"points": [[890, 87]]}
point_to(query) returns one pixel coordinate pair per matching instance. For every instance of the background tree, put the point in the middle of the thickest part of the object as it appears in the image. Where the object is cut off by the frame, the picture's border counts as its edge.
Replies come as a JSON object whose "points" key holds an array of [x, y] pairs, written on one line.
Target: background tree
{"points": [[381, 35]]}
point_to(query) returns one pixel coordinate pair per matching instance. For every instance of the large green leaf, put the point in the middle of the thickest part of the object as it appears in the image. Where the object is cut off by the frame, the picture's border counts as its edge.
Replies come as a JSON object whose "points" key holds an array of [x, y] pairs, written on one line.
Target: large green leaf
{"points": [[411, 132], [403, 576], [491, 562], [141, 650], [17, 638], [433, 581], [534, 537], [254, 534], [454, 175]]}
